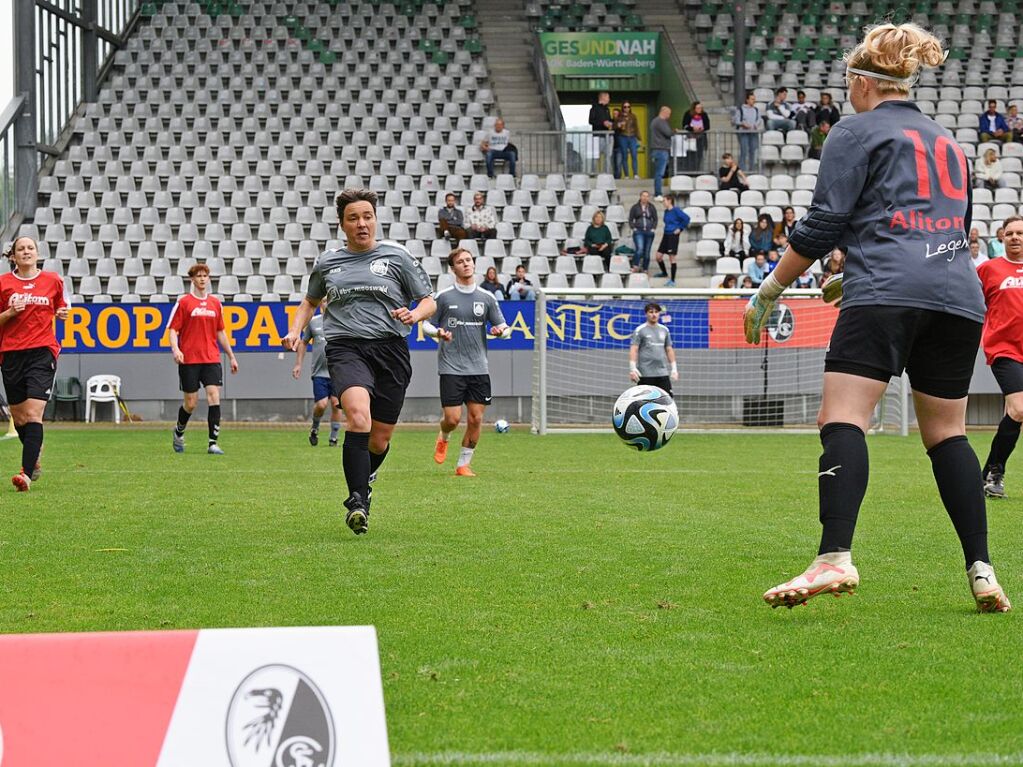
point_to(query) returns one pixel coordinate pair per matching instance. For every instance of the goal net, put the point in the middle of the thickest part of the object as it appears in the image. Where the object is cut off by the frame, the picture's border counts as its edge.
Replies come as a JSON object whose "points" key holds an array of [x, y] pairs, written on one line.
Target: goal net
{"points": [[581, 360]]}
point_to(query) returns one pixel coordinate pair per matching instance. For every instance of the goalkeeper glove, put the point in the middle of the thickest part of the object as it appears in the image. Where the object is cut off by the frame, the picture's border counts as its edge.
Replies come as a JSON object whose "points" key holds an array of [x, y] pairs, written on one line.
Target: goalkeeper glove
{"points": [[759, 308], [832, 289]]}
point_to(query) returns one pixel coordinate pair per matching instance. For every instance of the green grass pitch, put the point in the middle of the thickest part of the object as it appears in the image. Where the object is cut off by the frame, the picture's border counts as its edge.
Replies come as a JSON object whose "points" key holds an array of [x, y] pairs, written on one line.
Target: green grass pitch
{"points": [[576, 603]]}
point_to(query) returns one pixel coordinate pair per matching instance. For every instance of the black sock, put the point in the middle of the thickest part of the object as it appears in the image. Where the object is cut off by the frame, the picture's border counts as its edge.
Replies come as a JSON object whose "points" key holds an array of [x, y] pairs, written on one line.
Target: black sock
{"points": [[21, 433], [1002, 445], [355, 460], [961, 486], [841, 483], [674, 269], [31, 444], [664, 272], [375, 459], [183, 416], [213, 421], [316, 422]]}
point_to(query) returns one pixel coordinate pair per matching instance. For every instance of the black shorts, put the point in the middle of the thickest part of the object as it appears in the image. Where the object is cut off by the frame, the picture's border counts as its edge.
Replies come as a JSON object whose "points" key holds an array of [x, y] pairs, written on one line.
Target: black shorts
{"points": [[382, 367], [200, 374], [457, 390], [1009, 374], [669, 244], [938, 350], [663, 382], [28, 374]]}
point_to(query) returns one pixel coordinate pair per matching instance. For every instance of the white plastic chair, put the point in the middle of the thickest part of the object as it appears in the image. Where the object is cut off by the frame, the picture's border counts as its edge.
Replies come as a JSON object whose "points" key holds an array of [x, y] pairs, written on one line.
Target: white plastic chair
{"points": [[102, 388]]}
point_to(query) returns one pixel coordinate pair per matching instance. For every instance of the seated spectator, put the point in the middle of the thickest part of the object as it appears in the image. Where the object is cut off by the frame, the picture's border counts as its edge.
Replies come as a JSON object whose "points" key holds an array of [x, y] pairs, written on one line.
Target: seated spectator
{"points": [[992, 125], [817, 137], [827, 110], [497, 146], [780, 247], [806, 280], [756, 268], [996, 246], [834, 263], [481, 219], [747, 282], [804, 112], [974, 237], [976, 257], [779, 113], [730, 175], [519, 288], [785, 227], [737, 240], [730, 281], [1014, 121], [597, 240], [988, 170], [491, 285], [761, 239], [450, 221]]}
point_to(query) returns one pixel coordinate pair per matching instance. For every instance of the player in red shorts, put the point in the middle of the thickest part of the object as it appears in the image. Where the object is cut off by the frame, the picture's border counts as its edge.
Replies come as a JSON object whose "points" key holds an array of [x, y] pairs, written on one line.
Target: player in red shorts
{"points": [[30, 299], [1002, 281], [196, 325]]}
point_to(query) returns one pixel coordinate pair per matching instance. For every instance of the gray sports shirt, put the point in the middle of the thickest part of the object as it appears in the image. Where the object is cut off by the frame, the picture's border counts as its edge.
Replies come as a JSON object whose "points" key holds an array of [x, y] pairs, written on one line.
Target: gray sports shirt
{"points": [[362, 290], [318, 355], [465, 313], [653, 342]]}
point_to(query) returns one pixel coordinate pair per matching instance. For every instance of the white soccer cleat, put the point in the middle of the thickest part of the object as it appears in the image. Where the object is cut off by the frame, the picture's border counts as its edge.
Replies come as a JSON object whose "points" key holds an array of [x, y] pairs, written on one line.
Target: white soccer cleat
{"points": [[989, 595], [827, 574]]}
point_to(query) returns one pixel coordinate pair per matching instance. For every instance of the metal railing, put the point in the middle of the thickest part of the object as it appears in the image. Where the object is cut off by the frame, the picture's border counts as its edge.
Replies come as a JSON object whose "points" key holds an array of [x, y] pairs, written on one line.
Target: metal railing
{"points": [[547, 88], [563, 151], [694, 154], [8, 191]]}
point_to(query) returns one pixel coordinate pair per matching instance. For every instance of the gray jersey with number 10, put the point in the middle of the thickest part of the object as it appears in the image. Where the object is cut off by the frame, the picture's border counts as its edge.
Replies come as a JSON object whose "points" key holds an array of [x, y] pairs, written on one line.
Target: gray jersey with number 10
{"points": [[465, 313]]}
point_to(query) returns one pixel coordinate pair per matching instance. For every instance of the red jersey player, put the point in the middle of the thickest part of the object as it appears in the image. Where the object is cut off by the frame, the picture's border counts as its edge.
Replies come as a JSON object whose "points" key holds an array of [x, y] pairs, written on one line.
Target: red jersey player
{"points": [[196, 325], [1002, 280], [29, 298]]}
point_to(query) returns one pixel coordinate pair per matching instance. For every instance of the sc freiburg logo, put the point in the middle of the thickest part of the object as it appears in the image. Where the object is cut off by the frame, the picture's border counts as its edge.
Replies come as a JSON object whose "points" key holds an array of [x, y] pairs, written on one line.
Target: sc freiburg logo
{"points": [[278, 718], [782, 324], [379, 267]]}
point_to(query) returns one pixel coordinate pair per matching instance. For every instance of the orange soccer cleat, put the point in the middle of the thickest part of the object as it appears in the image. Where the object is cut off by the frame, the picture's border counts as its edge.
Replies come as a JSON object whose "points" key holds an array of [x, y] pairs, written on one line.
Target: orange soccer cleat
{"points": [[22, 482], [440, 450], [465, 471]]}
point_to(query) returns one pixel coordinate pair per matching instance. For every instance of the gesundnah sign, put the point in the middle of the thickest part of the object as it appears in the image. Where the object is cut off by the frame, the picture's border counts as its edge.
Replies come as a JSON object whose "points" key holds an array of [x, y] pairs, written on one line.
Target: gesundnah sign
{"points": [[601, 54]]}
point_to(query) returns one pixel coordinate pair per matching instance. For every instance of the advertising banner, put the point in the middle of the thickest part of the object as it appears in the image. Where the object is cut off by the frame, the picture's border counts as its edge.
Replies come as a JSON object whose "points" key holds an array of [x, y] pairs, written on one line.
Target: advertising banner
{"points": [[601, 54]]}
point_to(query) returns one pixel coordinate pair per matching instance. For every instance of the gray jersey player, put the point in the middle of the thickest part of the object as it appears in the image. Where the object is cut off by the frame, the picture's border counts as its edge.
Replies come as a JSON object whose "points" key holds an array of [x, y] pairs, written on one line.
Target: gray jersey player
{"points": [[314, 338], [460, 324], [651, 355]]}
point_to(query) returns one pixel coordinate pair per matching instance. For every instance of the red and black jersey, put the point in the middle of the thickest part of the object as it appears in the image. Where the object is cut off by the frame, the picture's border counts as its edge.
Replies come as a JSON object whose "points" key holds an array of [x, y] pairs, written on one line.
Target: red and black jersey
{"points": [[1002, 282], [43, 295], [197, 322]]}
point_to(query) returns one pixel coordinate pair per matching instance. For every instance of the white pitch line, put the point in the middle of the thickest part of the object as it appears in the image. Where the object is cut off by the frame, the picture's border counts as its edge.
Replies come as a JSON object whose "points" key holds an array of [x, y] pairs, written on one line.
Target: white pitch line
{"points": [[536, 759]]}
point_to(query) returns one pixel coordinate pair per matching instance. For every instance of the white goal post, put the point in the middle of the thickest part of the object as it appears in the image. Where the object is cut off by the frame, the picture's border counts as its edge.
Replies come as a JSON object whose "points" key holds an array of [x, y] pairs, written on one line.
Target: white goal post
{"points": [[581, 352]]}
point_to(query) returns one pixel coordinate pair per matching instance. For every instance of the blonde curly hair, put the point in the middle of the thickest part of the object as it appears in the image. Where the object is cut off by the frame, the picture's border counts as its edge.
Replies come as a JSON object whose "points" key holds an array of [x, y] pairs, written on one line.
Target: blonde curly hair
{"points": [[899, 51]]}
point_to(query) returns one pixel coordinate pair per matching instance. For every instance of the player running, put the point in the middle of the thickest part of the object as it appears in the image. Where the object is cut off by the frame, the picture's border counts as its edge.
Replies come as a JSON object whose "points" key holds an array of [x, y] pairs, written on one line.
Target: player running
{"points": [[651, 355], [313, 335], [368, 286], [463, 311], [30, 298], [1002, 282], [195, 327], [895, 188]]}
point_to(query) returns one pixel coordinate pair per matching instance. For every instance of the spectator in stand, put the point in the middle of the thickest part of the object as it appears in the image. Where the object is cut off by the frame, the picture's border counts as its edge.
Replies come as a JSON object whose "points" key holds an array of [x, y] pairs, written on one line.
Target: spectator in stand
{"points": [[675, 220], [598, 241], [519, 288], [737, 240], [988, 170], [617, 150], [747, 122], [827, 110], [729, 282], [974, 236], [761, 239], [804, 112], [497, 146], [1014, 121], [756, 269], [992, 125], [491, 285], [783, 242], [817, 137], [730, 175], [773, 257], [481, 219], [976, 257], [601, 123], [450, 221], [696, 122], [661, 134], [779, 112], [834, 263], [785, 226], [996, 246], [747, 282], [643, 222], [805, 280], [628, 131]]}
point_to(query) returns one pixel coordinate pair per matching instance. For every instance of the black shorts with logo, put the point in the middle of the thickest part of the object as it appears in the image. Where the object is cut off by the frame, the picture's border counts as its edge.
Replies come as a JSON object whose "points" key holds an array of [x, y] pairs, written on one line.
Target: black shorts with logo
{"points": [[458, 390], [662, 382], [200, 374], [936, 349], [1009, 374], [381, 366], [28, 374], [669, 244]]}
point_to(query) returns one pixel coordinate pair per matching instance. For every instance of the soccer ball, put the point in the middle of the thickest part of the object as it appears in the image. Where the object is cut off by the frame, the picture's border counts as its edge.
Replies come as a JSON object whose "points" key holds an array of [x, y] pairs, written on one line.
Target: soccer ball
{"points": [[645, 417], [501, 426]]}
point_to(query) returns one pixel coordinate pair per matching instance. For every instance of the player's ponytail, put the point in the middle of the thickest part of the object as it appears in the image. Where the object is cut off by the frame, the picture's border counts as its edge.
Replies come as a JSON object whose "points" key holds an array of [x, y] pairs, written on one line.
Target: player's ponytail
{"points": [[897, 53]]}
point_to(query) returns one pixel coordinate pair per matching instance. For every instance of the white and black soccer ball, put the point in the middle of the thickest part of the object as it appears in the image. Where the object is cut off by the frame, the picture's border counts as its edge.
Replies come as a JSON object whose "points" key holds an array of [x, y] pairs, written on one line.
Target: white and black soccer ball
{"points": [[645, 417], [501, 426]]}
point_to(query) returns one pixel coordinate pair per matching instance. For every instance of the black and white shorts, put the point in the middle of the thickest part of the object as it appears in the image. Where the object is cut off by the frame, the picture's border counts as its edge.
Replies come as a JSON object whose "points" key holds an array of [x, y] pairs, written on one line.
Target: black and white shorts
{"points": [[28, 374], [1009, 374], [458, 390], [669, 244], [200, 374], [381, 366], [936, 349]]}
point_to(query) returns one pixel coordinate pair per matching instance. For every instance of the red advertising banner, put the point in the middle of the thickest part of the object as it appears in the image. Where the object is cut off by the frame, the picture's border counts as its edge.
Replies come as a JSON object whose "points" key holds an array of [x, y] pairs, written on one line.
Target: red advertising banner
{"points": [[799, 323]]}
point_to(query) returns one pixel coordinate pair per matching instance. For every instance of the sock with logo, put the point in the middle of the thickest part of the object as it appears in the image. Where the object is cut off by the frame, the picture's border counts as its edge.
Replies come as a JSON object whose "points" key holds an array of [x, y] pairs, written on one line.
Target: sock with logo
{"points": [[841, 482], [213, 422], [183, 416], [31, 444], [961, 486], [465, 456], [375, 459], [1002, 445], [355, 460]]}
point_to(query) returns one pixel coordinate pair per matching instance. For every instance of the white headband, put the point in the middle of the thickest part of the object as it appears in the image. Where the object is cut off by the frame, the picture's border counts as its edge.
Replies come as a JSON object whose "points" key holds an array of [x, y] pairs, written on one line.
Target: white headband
{"points": [[878, 76]]}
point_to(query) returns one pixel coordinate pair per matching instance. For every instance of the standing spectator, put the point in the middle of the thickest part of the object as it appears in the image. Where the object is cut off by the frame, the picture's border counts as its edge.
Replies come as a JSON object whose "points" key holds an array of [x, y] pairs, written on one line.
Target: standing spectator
{"points": [[992, 125], [520, 288], [817, 137], [482, 219], [779, 112], [491, 285], [761, 239], [601, 123], [675, 220], [450, 221], [756, 269], [628, 130], [643, 221], [804, 112], [737, 240], [988, 170], [827, 110], [996, 245], [1014, 121], [976, 257], [617, 150], [598, 241], [696, 122], [730, 175], [786, 226], [747, 123], [651, 355], [660, 147], [497, 146]]}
